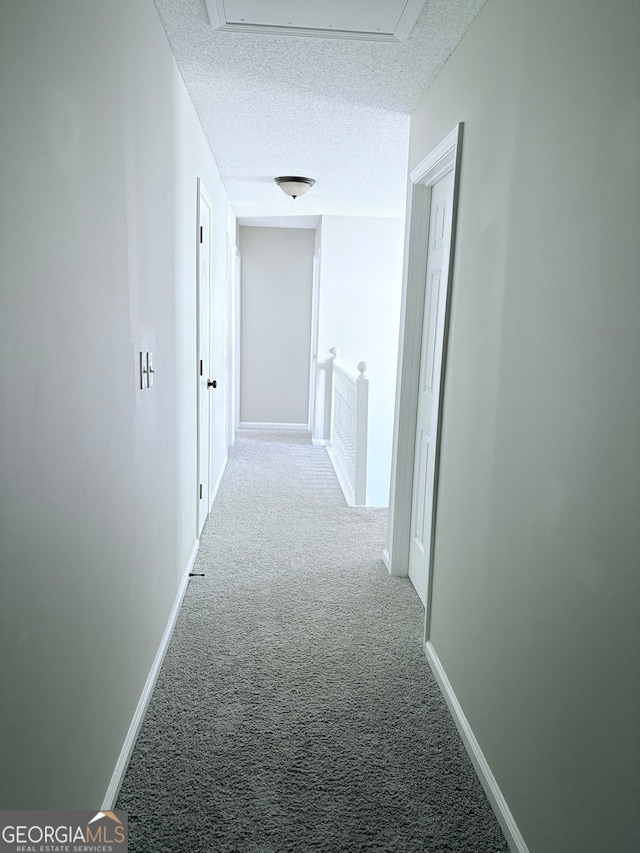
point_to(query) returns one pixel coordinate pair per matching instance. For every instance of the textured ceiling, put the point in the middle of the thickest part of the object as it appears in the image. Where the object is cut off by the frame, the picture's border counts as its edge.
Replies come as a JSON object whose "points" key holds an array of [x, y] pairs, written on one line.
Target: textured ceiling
{"points": [[334, 110]]}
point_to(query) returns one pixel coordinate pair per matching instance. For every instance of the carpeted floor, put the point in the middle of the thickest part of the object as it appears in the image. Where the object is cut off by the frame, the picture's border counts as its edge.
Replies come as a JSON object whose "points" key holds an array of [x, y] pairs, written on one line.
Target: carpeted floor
{"points": [[295, 711]]}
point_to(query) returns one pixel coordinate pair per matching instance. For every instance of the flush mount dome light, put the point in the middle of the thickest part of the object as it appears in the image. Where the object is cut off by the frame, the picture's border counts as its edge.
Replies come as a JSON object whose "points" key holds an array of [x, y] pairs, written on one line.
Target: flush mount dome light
{"points": [[294, 186]]}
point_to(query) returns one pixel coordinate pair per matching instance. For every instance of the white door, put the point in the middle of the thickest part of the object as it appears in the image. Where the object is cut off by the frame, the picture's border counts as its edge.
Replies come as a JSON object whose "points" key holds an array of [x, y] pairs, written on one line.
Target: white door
{"points": [[238, 325], [231, 341], [435, 307], [204, 354]]}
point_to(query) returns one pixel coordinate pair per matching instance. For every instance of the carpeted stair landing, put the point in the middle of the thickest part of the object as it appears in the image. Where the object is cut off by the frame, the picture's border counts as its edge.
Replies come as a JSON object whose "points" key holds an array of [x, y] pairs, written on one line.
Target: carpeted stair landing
{"points": [[295, 711]]}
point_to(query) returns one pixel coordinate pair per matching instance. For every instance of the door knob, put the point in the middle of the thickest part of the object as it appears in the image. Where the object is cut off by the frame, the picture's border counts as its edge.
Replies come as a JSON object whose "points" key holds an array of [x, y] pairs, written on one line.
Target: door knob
{"points": [[212, 383]]}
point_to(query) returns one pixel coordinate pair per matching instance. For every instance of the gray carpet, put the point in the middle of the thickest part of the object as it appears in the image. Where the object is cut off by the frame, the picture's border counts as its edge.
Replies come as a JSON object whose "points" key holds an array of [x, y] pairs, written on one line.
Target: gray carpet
{"points": [[295, 711]]}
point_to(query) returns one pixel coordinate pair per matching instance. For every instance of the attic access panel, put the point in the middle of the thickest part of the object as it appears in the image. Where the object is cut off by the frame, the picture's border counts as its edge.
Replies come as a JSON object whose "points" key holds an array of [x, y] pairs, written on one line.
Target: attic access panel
{"points": [[369, 20]]}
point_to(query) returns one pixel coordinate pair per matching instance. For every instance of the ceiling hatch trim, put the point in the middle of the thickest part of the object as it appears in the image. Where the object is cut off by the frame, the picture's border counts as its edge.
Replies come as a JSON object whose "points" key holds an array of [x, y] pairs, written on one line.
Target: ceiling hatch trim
{"points": [[401, 32]]}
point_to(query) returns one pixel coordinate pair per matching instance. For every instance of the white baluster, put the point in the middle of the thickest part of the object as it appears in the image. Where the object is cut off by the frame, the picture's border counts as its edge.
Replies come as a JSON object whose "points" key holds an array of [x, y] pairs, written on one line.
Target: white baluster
{"points": [[349, 417], [362, 427]]}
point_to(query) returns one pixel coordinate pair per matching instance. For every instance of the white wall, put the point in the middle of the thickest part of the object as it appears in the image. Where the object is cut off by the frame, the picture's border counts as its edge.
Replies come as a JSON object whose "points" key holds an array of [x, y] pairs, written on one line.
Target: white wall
{"points": [[98, 165], [277, 268], [537, 546], [360, 291]]}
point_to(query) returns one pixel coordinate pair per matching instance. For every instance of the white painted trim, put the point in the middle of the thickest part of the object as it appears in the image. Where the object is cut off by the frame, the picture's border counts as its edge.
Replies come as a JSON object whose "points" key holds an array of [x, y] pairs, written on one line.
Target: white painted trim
{"points": [[498, 803], [408, 19], [231, 340], [313, 360], [444, 157], [238, 334], [320, 442], [301, 32], [404, 27], [440, 156], [136, 723], [260, 425], [214, 491], [203, 198], [217, 16]]}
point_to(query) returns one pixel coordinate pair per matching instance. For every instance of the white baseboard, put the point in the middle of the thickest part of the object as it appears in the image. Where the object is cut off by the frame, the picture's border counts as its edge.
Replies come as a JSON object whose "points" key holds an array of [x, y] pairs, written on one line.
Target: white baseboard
{"points": [[134, 729], [214, 492], [319, 442], [386, 559], [260, 425], [498, 803]]}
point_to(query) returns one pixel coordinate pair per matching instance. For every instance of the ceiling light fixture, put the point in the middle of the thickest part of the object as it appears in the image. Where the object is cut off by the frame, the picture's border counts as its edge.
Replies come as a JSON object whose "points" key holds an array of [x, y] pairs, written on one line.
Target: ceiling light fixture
{"points": [[294, 186]]}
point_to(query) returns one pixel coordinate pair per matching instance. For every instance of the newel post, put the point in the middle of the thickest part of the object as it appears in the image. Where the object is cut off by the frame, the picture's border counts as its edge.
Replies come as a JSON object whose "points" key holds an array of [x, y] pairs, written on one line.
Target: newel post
{"points": [[329, 395]]}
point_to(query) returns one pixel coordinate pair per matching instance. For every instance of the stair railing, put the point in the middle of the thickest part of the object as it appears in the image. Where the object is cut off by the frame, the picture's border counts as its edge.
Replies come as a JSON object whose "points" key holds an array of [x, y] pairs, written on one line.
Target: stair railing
{"points": [[349, 426]]}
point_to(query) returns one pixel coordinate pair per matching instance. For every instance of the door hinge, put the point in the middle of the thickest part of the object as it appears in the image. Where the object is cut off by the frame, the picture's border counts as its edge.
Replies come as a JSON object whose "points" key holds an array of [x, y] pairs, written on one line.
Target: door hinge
{"points": [[200, 491], [201, 234], [201, 367]]}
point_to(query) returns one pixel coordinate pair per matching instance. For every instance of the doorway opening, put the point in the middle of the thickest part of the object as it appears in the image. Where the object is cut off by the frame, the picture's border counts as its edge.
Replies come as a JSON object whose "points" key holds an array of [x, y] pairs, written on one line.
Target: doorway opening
{"points": [[204, 272], [423, 335]]}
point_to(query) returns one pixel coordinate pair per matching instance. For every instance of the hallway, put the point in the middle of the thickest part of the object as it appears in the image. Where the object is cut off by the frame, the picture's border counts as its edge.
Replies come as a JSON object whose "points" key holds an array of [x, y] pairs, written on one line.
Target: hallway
{"points": [[295, 710]]}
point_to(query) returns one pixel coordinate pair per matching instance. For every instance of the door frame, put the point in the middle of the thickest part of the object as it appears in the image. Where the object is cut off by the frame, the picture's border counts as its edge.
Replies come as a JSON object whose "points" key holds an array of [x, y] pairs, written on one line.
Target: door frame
{"points": [[203, 197], [446, 156], [232, 343], [237, 282], [313, 359]]}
